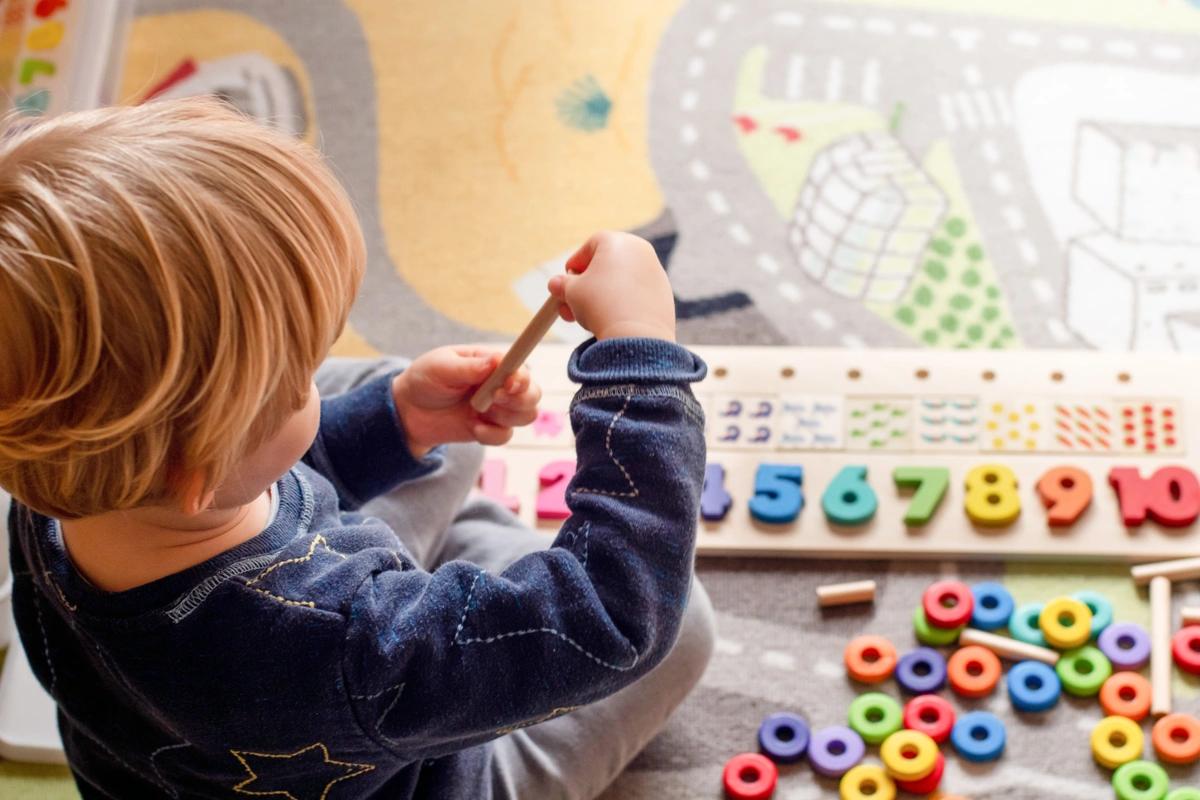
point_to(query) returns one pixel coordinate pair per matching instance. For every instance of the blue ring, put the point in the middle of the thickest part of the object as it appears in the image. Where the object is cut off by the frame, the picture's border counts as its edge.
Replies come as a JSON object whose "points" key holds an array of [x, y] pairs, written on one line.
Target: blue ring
{"points": [[987, 748], [1023, 624], [993, 606], [1101, 608], [933, 679], [783, 749], [1043, 696]]}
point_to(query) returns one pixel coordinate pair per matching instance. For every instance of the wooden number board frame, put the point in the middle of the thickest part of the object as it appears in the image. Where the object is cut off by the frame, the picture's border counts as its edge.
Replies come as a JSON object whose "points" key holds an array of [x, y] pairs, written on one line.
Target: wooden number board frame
{"points": [[828, 411]]}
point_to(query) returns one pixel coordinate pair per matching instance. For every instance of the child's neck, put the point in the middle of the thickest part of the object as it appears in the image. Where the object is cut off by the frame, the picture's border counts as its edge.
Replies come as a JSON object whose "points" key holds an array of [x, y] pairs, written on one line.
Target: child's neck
{"points": [[122, 550]]}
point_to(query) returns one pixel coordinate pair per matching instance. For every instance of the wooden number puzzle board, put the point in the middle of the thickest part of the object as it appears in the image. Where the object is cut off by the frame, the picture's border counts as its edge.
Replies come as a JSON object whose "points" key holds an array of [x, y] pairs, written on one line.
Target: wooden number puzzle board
{"points": [[825, 410]]}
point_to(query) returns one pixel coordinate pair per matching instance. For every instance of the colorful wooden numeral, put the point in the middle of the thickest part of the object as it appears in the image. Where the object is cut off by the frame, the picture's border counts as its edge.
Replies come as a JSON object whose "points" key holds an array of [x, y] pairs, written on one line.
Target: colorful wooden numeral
{"points": [[714, 499], [778, 497], [1066, 492], [552, 498], [46, 36], [47, 8], [33, 103], [1171, 496], [32, 67], [929, 483], [849, 499], [992, 497], [492, 479]]}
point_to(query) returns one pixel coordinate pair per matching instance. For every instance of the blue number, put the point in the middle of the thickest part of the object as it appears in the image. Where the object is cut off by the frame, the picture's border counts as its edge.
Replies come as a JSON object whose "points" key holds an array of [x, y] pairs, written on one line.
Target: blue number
{"points": [[714, 500], [849, 499], [777, 494]]}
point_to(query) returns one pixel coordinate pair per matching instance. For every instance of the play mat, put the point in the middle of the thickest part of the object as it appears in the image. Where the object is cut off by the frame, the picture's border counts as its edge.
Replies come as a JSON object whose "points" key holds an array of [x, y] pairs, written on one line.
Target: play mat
{"points": [[991, 174]]}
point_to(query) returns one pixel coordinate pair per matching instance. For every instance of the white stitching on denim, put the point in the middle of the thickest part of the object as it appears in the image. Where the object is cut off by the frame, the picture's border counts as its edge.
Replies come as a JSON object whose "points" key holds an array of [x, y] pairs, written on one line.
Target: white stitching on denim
{"points": [[388, 710], [380, 693], [587, 530], [37, 605], [174, 792], [467, 605], [49, 576], [608, 446], [189, 602]]}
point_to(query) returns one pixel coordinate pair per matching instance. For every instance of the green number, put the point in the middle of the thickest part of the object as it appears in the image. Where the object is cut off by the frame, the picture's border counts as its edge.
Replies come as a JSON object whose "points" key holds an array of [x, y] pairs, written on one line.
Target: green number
{"points": [[930, 484]]}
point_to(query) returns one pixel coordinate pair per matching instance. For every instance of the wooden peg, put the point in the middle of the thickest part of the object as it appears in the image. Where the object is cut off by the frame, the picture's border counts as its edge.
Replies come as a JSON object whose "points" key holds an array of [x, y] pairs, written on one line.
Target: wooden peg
{"points": [[537, 328], [1183, 569], [1008, 648], [1160, 645], [841, 594], [1190, 615]]}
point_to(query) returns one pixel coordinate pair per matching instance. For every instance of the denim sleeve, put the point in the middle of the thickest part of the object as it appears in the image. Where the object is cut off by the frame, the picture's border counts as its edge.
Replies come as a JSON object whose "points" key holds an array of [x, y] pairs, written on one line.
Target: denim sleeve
{"points": [[361, 448], [439, 661]]}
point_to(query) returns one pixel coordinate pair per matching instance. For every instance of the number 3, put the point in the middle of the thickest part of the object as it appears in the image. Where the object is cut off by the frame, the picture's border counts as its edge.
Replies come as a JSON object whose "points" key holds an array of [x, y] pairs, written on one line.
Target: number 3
{"points": [[992, 496]]}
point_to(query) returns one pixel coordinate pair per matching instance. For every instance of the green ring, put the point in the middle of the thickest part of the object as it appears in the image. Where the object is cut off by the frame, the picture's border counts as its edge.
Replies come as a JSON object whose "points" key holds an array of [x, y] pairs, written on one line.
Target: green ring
{"points": [[1126, 790], [931, 635], [1076, 682], [1186, 793], [891, 718]]}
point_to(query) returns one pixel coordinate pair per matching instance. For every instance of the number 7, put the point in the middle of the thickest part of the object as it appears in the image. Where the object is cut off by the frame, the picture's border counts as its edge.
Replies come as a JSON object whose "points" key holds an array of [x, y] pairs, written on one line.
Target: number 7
{"points": [[930, 484]]}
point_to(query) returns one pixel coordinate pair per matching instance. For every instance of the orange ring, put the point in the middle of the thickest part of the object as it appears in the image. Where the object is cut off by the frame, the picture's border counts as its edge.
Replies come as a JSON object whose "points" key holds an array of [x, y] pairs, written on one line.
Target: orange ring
{"points": [[974, 671], [870, 659], [1126, 694], [1176, 738]]}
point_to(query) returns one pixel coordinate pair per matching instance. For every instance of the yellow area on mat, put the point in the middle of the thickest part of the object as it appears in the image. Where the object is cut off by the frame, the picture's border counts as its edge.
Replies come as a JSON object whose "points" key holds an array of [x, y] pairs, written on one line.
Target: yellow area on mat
{"points": [[158, 44], [472, 185]]}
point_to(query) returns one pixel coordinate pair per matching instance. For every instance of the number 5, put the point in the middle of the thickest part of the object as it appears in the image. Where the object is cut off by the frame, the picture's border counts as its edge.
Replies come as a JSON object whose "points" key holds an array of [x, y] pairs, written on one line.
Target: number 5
{"points": [[777, 494]]}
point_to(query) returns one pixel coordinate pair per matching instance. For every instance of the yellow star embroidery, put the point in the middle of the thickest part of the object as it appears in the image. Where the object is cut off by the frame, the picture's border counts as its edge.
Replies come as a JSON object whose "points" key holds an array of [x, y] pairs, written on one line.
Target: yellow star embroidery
{"points": [[294, 772]]}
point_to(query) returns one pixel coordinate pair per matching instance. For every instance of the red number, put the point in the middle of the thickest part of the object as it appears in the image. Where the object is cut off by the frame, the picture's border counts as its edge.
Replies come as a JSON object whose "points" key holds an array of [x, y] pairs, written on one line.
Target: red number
{"points": [[1066, 492], [1171, 496], [492, 478], [47, 8], [552, 499]]}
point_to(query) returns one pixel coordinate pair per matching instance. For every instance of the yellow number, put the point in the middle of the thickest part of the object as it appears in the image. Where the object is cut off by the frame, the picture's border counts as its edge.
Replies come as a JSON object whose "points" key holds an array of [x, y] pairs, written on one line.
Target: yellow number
{"points": [[992, 497], [46, 36]]}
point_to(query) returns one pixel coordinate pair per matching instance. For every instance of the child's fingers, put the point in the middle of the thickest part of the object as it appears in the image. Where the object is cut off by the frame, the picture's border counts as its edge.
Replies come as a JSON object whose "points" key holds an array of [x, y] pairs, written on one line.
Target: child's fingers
{"points": [[519, 381], [511, 417], [493, 435]]}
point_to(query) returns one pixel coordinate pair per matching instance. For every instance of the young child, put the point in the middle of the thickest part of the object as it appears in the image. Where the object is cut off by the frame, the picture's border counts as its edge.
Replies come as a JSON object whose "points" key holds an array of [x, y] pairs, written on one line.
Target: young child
{"points": [[231, 586]]}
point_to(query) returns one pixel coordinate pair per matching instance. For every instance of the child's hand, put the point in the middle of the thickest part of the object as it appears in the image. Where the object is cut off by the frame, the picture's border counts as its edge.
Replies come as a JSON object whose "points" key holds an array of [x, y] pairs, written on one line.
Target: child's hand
{"points": [[616, 287], [433, 399]]}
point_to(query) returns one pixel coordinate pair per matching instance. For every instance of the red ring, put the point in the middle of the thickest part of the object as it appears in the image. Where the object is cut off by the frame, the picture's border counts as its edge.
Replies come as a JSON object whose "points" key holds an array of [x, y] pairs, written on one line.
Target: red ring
{"points": [[924, 705], [962, 681], [1185, 646], [740, 787], [929, 783], [870, 671], [942, 616], [1136, 707]]}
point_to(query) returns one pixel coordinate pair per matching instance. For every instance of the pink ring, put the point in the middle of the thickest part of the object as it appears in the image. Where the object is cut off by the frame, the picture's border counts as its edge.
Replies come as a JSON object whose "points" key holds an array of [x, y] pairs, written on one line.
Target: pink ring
{"points": [[941, 615]]}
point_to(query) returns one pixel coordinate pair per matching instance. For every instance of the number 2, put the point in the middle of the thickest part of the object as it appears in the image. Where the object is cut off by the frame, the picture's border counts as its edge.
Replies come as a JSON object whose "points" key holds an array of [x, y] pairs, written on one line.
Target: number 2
{"points": [[930, 484], [1066, 493], [552, 499], [778, 497]]}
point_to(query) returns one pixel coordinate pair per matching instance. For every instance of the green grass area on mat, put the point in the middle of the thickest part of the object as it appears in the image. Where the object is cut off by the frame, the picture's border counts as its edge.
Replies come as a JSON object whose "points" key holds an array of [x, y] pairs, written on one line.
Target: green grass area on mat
{"points": [[43, 781]]}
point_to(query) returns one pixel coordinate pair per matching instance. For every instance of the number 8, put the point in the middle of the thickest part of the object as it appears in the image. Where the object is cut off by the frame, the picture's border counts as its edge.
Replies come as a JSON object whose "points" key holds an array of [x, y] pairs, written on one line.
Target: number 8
{"points": [[992, 496]]}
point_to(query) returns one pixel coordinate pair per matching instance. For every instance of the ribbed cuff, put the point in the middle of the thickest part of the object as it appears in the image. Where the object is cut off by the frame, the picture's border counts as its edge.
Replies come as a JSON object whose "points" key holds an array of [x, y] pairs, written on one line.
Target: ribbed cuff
{"points": [[634, 360]]}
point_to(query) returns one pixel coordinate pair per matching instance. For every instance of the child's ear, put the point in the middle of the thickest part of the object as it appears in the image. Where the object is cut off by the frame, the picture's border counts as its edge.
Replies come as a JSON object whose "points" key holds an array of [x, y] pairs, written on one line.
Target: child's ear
{"points": [[192, 496]]}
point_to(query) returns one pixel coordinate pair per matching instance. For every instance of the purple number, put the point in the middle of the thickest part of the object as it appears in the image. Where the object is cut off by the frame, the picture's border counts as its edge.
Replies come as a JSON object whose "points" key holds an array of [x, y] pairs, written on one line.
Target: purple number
{"points": [[714, 500]]}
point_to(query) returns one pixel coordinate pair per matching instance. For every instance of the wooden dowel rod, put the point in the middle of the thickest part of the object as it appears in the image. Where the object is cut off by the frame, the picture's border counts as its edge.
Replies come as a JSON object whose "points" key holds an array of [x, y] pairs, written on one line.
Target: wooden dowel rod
{"points": [[519, 351], [1183, 569], [1006, 647], [1190, 615], [1160, 646], [840, 594]]}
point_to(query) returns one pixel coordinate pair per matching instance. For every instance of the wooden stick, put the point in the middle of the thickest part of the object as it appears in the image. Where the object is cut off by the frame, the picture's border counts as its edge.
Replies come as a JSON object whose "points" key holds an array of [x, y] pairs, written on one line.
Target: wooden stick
{"points": [[1160, 645], [1006, 647], [841, 594], [1183, 569], [1190, 615], [517, 353]]}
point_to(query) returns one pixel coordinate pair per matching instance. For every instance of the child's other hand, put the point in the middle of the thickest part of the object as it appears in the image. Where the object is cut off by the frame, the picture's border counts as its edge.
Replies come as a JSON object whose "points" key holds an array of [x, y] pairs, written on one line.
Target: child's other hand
{"points": [[615, 286], [433, 399]]}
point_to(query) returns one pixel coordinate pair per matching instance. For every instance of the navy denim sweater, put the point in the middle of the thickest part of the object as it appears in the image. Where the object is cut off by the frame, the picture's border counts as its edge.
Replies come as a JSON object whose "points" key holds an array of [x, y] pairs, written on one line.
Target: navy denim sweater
{"points": [[317, 661]]}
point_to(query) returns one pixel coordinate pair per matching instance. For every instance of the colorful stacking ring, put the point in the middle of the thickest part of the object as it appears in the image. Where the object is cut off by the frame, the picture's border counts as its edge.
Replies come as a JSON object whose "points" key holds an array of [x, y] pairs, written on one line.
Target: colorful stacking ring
{"points": [[1184, 793], [909, 755], [993, 606], [834, 750], [929, 783], [931, 715], [921, 671], [1116, 741], [930, 635], [870, 659], [1185, 646], [1066, 623], [1126, 694], [948, 604], [1083, 671], [783, 737], [867, 782], [974, 671], [1140, 780], [1101, 608], [1176, 738], [978, 736], [1126, 645], [750, 776], [875, 716], [1033, 686], [1023, 624]]}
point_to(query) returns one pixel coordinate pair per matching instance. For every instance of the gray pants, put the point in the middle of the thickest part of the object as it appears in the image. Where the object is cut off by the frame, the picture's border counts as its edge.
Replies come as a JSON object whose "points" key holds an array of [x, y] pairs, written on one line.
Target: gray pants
{"points": [[577, 755]]}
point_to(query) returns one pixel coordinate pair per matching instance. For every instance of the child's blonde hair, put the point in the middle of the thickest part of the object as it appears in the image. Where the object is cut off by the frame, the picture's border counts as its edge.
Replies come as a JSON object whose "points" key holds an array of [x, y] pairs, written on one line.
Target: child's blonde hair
{"points": [[170, 277]]}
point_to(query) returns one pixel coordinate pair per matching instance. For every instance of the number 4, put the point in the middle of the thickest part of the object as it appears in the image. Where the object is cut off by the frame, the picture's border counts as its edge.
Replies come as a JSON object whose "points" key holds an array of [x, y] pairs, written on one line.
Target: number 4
{"points": [[930, 484]]}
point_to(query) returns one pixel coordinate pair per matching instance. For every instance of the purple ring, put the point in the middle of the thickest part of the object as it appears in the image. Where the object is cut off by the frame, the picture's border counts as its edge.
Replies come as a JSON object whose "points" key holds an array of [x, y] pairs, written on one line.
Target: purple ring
{"points": [[834, 750], [783, 737], [921, 671], [1126, 644]]}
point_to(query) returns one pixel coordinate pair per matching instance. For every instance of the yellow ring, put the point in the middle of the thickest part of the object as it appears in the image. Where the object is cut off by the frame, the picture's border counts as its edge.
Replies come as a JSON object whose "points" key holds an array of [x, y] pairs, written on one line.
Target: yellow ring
{"points": [[909, 755], [1128, 733], [851, 787], [1074, 631]]}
